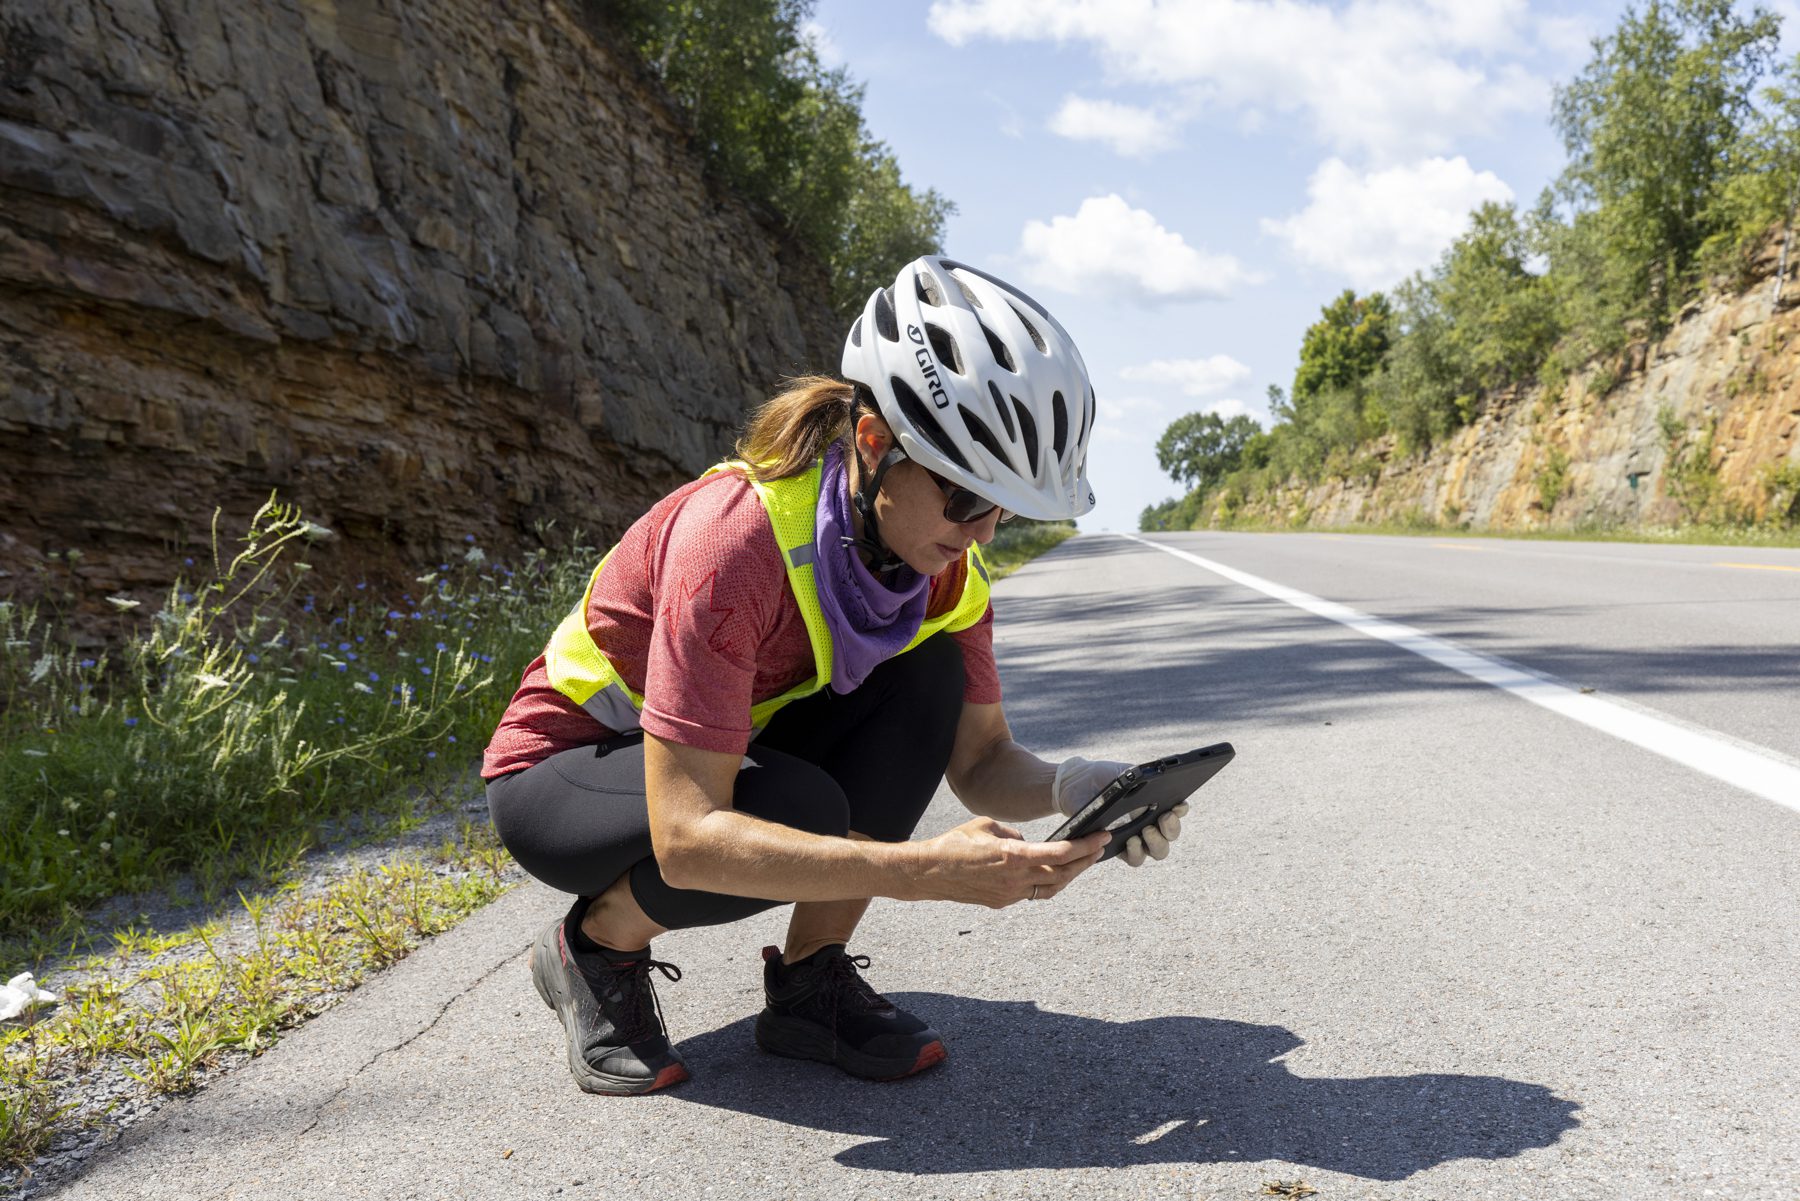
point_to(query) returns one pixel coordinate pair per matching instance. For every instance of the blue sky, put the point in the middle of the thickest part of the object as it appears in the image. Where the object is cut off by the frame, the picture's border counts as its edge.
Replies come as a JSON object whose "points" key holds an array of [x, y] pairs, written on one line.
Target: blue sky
{"points": [[1185, 183]]}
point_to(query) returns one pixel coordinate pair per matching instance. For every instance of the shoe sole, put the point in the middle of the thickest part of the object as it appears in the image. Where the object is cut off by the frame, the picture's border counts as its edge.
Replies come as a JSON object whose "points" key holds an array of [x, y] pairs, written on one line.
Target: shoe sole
{"points": [[551, 986], [795, 1038]]}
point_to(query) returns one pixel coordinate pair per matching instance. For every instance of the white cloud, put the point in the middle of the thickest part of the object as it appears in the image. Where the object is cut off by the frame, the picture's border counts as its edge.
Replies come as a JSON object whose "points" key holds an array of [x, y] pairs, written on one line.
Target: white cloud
{"points": [[1390, 79], [828, 51], [1229, 408], [1377, 227], [1127, 129], [1113, 249], [1195, 377]]}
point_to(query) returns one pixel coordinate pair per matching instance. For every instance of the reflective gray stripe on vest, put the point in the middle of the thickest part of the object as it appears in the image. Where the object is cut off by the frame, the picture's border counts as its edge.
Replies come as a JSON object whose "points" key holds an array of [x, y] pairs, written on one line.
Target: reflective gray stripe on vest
{"points": [[981, 566], [612, 708], [800, 556]]}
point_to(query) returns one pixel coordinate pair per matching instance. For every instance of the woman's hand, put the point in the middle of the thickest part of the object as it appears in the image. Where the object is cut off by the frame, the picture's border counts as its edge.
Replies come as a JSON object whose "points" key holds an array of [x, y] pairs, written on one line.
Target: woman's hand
{"points": [[983, 862], [1079, 781]]}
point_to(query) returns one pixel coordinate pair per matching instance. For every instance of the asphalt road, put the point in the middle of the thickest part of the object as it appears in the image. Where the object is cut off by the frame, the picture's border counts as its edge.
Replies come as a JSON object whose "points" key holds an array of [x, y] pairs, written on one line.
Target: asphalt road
{"points": [[1423, 939]]}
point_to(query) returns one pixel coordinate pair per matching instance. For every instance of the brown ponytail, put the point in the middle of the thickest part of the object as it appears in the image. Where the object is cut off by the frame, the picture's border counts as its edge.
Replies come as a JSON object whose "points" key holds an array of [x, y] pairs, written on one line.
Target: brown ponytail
{"points": [[788, 432]]}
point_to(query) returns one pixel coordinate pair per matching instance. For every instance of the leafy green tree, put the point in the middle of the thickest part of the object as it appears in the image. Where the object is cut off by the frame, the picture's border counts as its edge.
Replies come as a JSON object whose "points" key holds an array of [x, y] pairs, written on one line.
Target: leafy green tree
{"points": [[1648, 126], [1501, 317], [1343, 347], [780, 128], [1200, 449], [1763, 185]]}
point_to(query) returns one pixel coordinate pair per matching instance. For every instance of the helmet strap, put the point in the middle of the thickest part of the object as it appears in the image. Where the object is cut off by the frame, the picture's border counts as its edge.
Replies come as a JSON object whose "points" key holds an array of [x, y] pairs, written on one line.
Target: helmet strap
{"points": [[881, 559]]}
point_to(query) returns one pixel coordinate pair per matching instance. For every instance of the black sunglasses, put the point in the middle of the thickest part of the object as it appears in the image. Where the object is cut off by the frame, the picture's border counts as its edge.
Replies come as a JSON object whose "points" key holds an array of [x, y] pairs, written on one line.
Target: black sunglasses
{"points": [[961, 505]]}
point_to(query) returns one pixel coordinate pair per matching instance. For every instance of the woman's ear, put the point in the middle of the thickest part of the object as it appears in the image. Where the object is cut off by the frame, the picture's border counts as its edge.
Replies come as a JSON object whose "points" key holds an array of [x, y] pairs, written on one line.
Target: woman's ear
{"points": [[873, 437]]}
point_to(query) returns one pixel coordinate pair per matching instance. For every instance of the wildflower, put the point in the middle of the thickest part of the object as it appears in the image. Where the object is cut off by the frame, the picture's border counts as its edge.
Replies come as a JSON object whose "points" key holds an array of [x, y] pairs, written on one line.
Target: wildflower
{"points": [[254, 659], [359, 637], [442, 647], [86, 663], [362, 585], [108, 795], [468, 537], [431, 754], [207, 679], [375, 676], [443, 567], [303, 567], [351, 655], [315, 532], [341, 666], [112, 815], [474, 555], [452, 737], [360, 687], [131, 721], [188, 561], [71, 804], [187, 598], [37, 754], [424, 669], [42, 668], [106, 846]]}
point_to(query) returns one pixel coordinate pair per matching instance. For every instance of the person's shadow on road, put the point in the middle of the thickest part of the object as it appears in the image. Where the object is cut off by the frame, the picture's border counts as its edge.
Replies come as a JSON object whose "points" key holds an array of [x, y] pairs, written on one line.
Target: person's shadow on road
{"points": [[1026, 1088]]}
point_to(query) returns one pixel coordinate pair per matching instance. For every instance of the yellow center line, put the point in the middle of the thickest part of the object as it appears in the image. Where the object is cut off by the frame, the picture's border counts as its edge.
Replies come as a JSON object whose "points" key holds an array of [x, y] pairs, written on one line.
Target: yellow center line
{"points": [[1758, 566], [1460, 546]]}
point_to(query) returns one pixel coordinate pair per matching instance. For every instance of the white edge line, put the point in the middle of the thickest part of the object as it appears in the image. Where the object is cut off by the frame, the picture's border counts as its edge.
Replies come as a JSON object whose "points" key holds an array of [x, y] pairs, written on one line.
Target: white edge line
{"points": [[1737, 765]]}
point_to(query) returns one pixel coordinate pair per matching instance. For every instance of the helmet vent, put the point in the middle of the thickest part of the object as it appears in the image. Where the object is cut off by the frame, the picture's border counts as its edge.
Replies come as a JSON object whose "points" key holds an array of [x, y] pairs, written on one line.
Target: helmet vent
{"points": [[967, 291], [979, 431], [1087, 419], [928, 289], [944, 346], [1037, 339], [1059, 430], [1001, 355], [856, 333], [1027, 434], [886, 324], [918, 414], [1000, 408]]}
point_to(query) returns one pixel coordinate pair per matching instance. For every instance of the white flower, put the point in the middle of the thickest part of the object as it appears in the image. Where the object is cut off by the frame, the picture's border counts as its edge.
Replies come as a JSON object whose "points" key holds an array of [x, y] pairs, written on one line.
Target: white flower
{"points": [[315, 532], [106, 846], [208, 680], [42, 668], [63, 833], [474, 555], [37, 754], [360, 686], [123, 602]]}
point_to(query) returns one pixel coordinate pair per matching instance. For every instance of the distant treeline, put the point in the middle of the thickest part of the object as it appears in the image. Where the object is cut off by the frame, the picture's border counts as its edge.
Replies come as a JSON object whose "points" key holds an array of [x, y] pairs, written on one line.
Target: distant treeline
{"points": [[1683, 142], [780, 127]]}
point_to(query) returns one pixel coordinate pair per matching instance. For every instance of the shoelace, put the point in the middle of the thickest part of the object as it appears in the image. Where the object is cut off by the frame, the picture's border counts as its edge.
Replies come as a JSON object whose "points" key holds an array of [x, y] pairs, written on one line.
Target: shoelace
{"points": [[630, 982], [843, 978]]}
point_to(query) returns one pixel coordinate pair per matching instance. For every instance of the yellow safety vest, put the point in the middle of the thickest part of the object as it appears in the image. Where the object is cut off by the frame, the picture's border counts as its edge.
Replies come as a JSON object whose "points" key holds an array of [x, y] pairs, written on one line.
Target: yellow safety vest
{"points": [[580, 670]]}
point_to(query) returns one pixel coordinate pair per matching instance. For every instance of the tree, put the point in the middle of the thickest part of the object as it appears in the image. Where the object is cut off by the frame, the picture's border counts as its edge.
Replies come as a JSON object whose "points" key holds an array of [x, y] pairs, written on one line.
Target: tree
{"points": [[1649, 125], [1343, 348], [1763, 185], [1200, 449]]}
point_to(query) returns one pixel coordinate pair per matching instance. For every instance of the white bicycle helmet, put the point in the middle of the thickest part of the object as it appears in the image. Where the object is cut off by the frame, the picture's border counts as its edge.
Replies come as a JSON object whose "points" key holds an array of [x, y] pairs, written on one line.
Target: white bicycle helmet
{"points": [[979, 384]]}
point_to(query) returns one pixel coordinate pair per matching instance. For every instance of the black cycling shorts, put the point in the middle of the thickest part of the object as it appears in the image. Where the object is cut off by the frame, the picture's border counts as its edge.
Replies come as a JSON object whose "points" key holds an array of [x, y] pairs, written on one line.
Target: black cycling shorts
{"points": [[867, 762]]}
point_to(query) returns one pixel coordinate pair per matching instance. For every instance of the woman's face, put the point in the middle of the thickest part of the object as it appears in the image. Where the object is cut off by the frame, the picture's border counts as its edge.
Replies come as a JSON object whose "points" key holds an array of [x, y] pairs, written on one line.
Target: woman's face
{"points": [[910, 508]]}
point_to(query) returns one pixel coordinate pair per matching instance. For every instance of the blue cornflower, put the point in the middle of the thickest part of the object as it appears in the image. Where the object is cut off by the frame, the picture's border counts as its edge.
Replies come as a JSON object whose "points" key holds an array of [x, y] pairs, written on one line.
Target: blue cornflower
{"points": [[394, 614], [373, 676], [442, 647], [343, 646], [189, 562], [468, 537], [359, 637], [254, 658], [443, 567], [452, 737], [131, 721], [90, 662], [187, 598], [487, 658], [351, 655], [424, 669], [342, 666], [431, 754], [362, 585]]}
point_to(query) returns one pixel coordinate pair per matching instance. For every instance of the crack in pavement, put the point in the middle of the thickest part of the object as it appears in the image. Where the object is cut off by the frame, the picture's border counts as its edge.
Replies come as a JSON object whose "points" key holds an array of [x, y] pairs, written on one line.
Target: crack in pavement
{"points": [[319, 1112]]}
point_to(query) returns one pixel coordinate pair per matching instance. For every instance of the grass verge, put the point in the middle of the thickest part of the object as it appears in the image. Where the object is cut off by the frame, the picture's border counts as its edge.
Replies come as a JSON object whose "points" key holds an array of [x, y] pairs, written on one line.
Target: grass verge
{"points": [[1690, 535], [1021, 540], [156, 1014]]}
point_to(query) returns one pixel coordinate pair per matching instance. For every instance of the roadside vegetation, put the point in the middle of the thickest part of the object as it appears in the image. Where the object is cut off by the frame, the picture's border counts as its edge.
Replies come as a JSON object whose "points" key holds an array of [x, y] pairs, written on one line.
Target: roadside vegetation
{"points": [[1019, 541], [780, 127], [1682, 136]]}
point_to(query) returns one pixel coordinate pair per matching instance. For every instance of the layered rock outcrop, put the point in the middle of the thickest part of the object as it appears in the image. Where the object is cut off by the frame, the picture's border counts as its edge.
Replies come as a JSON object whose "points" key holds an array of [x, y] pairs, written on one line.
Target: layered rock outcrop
{"points": [[1718, 396], [429, 270]]}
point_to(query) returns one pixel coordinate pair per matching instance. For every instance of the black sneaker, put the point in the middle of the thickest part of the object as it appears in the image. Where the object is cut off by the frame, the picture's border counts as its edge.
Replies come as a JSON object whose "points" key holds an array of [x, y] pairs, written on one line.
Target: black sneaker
{"points": [[617, 1043], [821, 1008]]}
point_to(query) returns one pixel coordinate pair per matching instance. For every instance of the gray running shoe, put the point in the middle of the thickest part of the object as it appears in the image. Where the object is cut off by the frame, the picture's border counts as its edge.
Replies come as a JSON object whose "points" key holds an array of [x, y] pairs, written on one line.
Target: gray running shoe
{"points": [[617, 1044]]}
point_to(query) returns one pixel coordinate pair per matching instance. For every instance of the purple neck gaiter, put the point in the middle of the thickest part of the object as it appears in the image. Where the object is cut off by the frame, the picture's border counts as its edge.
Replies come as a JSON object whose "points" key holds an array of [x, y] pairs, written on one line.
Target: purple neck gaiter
{"points": [[868, 620]]}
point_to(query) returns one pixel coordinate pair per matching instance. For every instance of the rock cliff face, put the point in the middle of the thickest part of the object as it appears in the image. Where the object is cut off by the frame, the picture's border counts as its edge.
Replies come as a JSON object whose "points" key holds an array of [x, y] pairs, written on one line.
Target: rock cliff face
{"points": [[431, 270], [1599, 450]]}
